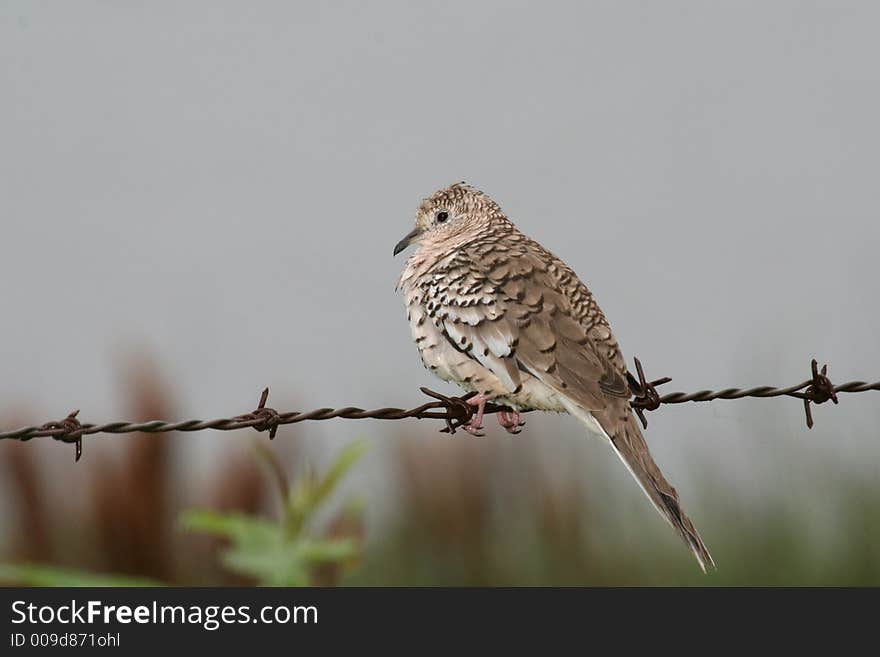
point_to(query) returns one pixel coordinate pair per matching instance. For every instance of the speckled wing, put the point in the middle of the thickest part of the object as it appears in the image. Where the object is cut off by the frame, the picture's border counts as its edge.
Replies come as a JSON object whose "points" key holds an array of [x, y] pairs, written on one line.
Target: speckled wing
{"points": [[505, 307]]}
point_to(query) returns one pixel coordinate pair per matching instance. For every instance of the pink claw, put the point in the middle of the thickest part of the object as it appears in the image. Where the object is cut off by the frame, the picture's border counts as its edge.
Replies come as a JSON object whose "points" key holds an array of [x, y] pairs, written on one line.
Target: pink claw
{"points": [[510, 420], [475, 426]]}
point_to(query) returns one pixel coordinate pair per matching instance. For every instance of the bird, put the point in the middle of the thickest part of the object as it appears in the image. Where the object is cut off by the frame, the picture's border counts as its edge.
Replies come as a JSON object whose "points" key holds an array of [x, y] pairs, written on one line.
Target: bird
{"points": [[496, 313]]}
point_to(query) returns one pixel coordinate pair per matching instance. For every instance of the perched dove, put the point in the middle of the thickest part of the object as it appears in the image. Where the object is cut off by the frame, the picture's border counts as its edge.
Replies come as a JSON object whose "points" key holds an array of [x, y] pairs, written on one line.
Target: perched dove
{"points": [[501, 316]]}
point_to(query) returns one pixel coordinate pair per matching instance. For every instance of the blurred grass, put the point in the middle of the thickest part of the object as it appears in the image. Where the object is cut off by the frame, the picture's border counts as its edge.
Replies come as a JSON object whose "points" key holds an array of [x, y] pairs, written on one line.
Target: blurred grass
{"points": [[38, 575], [468, 522], [768, 552]]}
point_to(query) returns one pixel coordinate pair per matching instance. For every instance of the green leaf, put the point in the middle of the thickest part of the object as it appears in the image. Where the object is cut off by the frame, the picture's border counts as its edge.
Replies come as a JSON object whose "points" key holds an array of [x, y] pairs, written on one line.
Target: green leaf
{"points": [[37, 575], [343, 463], [271, 460], [237, 527], [327, 551], [309, 492], [260, 549], [277, 564], [278, 554]]}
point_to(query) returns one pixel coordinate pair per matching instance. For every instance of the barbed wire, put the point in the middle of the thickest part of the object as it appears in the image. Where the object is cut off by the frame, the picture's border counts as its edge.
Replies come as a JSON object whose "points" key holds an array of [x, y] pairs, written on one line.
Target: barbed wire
{"points": [[454, 411]]}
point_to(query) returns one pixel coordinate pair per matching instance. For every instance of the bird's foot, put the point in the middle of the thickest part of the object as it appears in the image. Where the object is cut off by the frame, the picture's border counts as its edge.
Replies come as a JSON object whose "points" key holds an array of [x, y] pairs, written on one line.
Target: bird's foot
{"points": [[510, 420], [475, 426]]}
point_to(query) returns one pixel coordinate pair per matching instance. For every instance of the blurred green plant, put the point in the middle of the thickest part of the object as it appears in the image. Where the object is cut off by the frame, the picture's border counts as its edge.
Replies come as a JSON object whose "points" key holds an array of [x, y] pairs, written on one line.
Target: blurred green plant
{"points": [[39, 575], [283, 552]]}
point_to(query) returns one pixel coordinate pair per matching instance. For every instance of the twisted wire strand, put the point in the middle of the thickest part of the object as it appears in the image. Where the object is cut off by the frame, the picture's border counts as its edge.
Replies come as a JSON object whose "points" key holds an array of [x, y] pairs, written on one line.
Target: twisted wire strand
{"points": [[761, 392], [455, 411]]}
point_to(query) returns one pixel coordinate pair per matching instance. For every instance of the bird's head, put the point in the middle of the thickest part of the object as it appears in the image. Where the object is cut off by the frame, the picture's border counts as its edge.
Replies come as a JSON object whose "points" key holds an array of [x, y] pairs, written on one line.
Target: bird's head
{"points": [[450, 216]]}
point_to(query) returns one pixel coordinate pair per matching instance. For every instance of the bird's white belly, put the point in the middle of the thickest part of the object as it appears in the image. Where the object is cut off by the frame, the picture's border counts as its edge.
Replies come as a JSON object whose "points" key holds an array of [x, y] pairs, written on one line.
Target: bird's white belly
{"points": [[535, 395], [444, 360], [451, 364]]}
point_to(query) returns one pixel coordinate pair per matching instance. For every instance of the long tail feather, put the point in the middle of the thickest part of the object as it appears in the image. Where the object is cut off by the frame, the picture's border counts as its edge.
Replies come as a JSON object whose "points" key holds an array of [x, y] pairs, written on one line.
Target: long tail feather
{"points": [[629, 444]]}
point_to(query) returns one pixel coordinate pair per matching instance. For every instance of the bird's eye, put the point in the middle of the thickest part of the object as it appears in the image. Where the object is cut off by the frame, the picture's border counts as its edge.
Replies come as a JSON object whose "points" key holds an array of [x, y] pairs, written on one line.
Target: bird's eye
{"points": [[442, 216]]}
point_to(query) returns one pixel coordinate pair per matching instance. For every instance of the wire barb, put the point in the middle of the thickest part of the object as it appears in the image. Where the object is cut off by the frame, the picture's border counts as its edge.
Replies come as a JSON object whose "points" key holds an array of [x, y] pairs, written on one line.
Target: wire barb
{"points": [[819, 391], [454, 411], [646, 397], [263, 418], [68, 430], [460, 412]]}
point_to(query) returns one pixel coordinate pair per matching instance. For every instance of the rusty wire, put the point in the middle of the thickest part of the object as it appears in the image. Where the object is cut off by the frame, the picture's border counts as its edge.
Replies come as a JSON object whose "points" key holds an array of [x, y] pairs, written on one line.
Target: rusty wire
{"points": [[454, 411]]}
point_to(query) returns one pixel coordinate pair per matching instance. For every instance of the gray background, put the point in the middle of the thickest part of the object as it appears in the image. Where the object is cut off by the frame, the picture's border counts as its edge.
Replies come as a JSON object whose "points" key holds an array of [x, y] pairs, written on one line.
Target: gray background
{"points": [[220, 185]]}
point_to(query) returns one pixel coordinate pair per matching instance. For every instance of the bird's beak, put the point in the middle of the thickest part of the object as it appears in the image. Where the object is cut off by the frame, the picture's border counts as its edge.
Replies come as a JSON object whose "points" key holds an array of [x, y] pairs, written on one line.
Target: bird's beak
{"points": [[406, 241]]}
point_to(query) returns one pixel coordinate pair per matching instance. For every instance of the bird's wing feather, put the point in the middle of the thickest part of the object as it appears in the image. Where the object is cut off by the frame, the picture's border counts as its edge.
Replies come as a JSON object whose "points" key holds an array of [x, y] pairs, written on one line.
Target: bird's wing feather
{"points": [[509, 314]]}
